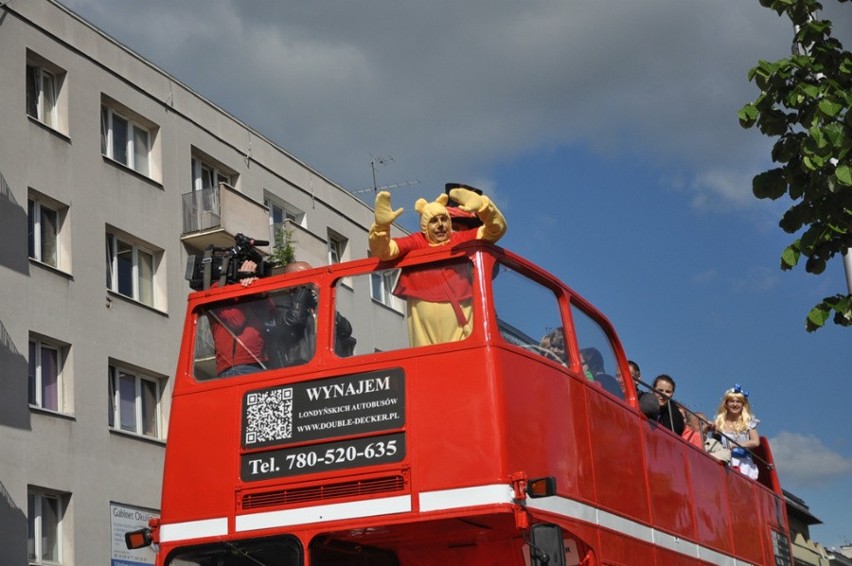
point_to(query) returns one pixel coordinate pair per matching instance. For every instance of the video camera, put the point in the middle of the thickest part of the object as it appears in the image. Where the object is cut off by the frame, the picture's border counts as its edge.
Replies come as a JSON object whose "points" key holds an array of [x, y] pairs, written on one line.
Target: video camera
{"points": [[223, 264]]}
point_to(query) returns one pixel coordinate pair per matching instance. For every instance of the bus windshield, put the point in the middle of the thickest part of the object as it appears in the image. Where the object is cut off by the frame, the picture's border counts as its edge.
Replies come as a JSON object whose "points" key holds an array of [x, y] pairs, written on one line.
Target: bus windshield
{"points": [[278, 551]]}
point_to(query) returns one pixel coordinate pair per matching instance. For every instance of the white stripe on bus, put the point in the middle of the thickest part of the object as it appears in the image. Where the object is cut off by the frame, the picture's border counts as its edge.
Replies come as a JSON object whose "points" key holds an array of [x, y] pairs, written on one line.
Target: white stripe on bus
{"points": [[466, 496], [194, 529]]}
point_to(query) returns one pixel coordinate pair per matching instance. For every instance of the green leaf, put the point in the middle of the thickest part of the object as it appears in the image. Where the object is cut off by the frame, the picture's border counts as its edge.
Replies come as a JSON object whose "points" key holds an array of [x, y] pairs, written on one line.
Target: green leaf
{"points": [[830, 107], [844, 175], [817, 317], [813, 162], [748, 115], [815, 265], [790, 256], [769, 184], [809, 90], [818, 136], [835, 134]]}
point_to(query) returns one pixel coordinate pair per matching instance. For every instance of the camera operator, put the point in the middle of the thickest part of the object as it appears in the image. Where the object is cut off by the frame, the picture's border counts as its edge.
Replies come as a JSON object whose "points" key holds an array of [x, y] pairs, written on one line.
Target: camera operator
{"points": [[295, 342], [238, 334]]}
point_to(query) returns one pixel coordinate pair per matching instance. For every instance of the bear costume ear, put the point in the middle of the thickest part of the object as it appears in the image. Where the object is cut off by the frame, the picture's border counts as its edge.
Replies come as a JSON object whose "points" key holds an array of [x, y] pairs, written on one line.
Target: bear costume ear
{"points": [[443, 199], [419, 205]]}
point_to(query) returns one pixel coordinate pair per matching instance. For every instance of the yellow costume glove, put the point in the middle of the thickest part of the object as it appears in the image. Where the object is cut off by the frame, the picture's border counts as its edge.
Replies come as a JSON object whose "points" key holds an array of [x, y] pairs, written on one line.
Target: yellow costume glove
{"points": [[381, 244], [385, 216], [469, 201], [493, 224]]}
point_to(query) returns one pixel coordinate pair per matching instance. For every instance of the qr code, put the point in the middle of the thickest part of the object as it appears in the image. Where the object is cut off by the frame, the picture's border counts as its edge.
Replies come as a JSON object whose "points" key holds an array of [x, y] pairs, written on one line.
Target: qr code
{"points": [[269, 415]]}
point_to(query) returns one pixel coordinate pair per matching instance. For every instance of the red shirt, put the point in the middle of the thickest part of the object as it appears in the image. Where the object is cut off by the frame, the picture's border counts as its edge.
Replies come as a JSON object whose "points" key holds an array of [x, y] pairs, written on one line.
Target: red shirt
{"points": [[436, 284]]}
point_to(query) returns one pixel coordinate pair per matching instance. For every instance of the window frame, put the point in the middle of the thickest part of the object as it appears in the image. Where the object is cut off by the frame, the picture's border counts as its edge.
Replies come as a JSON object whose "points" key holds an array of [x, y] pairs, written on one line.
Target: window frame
{"points": [[35, 526], [36, 231], [141, 418], [337, 247], [41, 100], [134, 127], [387, 280], [46, 104], [286, 211], [114, 272], [35, 373], [216, 174]]}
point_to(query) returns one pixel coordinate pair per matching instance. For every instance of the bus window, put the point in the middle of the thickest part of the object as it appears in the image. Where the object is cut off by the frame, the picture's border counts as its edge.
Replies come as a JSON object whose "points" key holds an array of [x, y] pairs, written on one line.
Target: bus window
{"points": [[597, 354], [528, 314], [409, 307], [279, 551], [256, 332]]}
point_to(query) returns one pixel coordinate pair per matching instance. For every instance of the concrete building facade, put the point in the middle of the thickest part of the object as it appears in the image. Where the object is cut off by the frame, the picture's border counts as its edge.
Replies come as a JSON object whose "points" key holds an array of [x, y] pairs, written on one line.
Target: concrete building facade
{"points": [[112, 173]]}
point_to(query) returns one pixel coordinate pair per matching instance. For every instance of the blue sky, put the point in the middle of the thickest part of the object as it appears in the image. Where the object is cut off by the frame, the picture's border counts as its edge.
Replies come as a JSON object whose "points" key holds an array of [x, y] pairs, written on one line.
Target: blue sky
{"points": [[607, 134]]}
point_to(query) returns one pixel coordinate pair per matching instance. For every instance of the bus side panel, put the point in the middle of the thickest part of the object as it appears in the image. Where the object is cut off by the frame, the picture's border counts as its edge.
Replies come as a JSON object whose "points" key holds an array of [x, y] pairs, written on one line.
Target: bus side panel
{"points": [[200, 457], [617, 548], [454, 430], [709, 501], [547, 425], [668, 481], [747, 526], [616, 450]]}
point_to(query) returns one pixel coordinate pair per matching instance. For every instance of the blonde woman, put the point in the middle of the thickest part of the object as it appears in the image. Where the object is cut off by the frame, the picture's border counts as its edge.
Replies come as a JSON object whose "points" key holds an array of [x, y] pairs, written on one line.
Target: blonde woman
{"points": [[735, 420]]}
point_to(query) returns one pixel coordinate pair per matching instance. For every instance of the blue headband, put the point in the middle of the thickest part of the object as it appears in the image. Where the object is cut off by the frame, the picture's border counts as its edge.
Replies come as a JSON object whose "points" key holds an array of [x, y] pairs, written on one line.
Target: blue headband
{"points": [[739, 389]]}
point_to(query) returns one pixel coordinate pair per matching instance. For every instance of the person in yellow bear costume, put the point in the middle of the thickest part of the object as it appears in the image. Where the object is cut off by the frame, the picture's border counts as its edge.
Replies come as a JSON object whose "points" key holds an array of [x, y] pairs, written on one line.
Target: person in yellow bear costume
{"points": [[438, 299]]}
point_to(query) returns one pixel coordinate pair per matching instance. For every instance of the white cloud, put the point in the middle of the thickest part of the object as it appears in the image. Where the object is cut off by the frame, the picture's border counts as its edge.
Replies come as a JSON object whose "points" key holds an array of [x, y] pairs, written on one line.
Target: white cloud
{"points": [[756, 280], [805, 460], [733, 188]]}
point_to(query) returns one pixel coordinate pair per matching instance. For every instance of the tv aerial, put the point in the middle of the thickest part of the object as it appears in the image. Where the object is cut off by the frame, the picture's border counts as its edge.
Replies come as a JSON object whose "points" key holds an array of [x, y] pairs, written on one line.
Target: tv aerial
{"points": [[382, 160]]}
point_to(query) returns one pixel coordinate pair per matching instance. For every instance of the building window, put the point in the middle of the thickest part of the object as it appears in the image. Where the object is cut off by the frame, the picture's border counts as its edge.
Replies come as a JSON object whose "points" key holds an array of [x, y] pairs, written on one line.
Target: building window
{"points": [[46, 361], [336, 248], [205, 176], [41, 94], [281, 212], [43, 90], [125, 140], [131, 269], [44, 529], [382, 283], [44, 223], [134, 402]]}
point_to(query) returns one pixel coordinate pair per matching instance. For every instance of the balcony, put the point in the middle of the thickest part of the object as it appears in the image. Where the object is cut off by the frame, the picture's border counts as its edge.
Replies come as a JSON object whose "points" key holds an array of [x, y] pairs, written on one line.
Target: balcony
{"points": [[309, 247], [213, 216]]}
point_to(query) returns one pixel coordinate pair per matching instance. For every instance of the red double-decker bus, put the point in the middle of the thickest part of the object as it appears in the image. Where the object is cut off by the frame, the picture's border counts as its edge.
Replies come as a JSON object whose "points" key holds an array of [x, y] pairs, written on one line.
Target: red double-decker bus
{"points": [[355, 447]]}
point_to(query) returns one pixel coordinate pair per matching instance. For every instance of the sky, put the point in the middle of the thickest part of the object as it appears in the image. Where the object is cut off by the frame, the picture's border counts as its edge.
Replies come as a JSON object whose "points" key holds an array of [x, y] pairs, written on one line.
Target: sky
{"points": [[607, 134]]}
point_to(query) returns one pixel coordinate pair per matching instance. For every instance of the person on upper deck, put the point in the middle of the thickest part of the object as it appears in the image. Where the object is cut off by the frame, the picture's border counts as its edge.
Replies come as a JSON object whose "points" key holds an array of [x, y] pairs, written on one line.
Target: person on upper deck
{"points": [[238, 332], [438, 299], [553, 345], [669, 415], [738, 427], [593, 367], [691, 430], [295, 324], [647, 403]]}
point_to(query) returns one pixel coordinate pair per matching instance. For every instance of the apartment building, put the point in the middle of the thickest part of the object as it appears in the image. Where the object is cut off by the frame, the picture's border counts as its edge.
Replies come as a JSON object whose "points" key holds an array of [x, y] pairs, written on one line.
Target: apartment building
{"points": [[112, 173]]}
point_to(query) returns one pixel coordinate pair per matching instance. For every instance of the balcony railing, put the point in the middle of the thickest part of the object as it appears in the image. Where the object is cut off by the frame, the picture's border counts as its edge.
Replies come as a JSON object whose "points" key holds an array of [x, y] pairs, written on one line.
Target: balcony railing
{"points": [[201, 210], [214, 215]]}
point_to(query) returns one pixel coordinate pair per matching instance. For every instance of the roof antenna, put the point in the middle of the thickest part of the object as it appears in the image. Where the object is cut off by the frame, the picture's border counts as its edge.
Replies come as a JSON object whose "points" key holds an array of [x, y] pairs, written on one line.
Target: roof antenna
{"points": [[382, 160]]}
